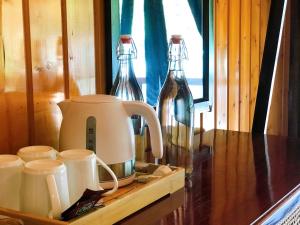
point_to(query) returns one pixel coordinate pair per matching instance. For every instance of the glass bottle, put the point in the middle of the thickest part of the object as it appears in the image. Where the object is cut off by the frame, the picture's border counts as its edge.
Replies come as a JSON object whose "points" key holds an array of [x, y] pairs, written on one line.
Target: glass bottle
{"points": [[126, 87], [176, 110]]}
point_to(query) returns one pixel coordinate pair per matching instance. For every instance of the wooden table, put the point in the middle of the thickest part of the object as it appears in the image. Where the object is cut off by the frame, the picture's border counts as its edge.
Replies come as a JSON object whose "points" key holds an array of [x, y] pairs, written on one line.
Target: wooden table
{"points": [[234, 181]]}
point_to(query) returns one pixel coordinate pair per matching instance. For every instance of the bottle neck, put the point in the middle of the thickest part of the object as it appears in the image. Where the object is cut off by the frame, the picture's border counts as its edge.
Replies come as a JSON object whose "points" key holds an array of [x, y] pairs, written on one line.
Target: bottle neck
{"points": [[177, 54], [176, 65], [176, 69], [125, 70], [126, 52]]}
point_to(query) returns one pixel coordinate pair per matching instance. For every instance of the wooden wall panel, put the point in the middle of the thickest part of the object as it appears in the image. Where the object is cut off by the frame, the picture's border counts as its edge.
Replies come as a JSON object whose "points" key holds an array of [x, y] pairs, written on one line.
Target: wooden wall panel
{"points": [[265, 9], [44, 79], [81, 47], [33, 78], [13, 106], [3, 115], [238, 52], [273, 128], [1, 53], [255, 54], [234, 65], [65, 48], [286, 71], [4, 134], [240, 32], [221, 53], [100, 51], [278, 117], [47, 69], [245, 63]]}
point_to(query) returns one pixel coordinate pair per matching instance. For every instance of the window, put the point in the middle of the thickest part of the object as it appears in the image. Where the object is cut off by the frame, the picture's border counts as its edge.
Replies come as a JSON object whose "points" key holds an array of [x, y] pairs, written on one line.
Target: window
{"points": [[151, 24]]}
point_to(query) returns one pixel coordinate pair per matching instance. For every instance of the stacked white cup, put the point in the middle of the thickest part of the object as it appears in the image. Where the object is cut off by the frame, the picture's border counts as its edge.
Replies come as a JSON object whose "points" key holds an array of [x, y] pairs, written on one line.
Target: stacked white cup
{"points": [[51, 181], [10, 172]]}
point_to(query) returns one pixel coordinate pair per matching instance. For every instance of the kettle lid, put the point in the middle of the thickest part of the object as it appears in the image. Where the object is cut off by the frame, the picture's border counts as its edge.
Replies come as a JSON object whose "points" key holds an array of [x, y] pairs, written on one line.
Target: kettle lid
{"points": [[95, 99]]}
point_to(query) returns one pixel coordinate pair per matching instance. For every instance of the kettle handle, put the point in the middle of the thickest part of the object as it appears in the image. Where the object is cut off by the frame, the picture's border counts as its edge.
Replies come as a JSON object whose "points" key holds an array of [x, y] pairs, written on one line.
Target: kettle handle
{"points": [[146, 111]]}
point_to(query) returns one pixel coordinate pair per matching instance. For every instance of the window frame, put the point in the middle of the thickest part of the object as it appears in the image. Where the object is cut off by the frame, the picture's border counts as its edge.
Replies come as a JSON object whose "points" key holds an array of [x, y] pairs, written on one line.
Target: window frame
{"points": [[112, 32]]}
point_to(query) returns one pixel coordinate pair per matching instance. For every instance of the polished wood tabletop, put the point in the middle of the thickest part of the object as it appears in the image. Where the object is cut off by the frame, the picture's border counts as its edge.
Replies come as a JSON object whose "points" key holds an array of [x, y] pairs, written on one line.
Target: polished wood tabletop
{"points": [[236, 178]]}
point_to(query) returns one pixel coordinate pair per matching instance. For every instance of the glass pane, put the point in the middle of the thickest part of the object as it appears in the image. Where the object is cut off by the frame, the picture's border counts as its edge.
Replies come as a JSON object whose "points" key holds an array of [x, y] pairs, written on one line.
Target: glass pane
{"points": [[179, 20]]}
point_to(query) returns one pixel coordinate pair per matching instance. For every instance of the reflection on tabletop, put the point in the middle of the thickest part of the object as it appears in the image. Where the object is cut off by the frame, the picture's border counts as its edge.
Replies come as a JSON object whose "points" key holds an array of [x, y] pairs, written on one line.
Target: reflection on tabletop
{"points": [[234, 181]]}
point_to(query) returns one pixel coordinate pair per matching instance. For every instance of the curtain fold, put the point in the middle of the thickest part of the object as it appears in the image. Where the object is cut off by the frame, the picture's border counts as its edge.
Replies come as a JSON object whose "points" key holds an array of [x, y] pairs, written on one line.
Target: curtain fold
{"points": [[156, 44], [196, 7], [156, 48], [126, 16]]}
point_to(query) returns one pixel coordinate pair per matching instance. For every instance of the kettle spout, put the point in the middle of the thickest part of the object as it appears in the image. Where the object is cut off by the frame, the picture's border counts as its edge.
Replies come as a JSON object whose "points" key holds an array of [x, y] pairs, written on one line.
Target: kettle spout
{"points": [[64, 105]]}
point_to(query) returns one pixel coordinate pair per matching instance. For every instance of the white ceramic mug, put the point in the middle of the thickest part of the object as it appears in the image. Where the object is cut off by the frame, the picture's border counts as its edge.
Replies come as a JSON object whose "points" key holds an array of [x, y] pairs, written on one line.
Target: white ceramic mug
{"points": [[10, 181], [35, 152], [83, 173], [45, 188]]}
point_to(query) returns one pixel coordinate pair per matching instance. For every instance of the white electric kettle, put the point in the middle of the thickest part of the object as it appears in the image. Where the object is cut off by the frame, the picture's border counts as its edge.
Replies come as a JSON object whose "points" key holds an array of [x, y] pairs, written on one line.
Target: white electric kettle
{"points": [[102, 123]]}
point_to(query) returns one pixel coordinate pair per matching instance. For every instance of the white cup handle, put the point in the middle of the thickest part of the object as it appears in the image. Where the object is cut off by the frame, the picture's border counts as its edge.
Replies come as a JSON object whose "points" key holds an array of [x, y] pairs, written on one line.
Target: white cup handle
{"points": [[54, 197], [116, 183]]}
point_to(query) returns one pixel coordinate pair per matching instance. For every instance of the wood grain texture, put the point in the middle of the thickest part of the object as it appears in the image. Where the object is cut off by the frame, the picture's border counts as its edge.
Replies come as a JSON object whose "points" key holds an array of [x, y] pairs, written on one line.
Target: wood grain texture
{"points": [[255, 54], [221, 75], [2, 79], [240, 31], [278, 118], [274, 122], [47, 69], [251, 170], [264, 10], [3, 135], [99, 37], [36, 72], [219, 164], [28, 67], [286, 70], [245, 63], [243, 177], [294, 79], [13, 108], [81, 47], [234, 65], [65, 48]]}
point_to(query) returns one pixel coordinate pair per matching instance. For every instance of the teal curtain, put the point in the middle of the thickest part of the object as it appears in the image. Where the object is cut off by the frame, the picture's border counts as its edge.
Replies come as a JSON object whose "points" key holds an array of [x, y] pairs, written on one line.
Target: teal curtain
{"points": [[126, 16], [197, 11], [156, 43], [156, 48]]}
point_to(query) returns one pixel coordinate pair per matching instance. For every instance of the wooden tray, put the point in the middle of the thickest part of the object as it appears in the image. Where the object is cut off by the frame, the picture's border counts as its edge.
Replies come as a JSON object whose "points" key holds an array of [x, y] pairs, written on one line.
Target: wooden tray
{"points": [[123, 203]]}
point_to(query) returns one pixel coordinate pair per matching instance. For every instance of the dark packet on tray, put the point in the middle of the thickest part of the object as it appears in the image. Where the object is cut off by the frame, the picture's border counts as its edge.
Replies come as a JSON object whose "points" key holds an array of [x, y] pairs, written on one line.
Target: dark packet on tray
{"points": [[86, 202]]}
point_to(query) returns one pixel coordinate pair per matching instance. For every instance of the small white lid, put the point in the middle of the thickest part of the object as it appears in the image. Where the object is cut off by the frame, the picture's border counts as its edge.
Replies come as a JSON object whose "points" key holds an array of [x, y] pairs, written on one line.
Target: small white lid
{"points": [[76, 154], [95, 99], [10, 161], [35, 150], [43, 166]]}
